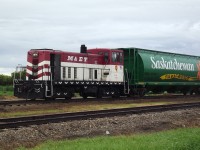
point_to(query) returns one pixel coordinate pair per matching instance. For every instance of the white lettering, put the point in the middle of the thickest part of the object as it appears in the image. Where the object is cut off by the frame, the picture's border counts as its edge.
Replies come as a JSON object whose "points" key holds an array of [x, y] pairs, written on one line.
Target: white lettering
{"points": [[77, 59], [85, 59], [80, 59], [154, 64], [70, 58], [171, 65]]}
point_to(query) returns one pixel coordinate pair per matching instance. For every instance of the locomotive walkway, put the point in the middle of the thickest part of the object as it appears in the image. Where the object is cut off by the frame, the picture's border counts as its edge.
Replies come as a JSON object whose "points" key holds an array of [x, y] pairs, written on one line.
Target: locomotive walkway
{"points": [[43, 119]]}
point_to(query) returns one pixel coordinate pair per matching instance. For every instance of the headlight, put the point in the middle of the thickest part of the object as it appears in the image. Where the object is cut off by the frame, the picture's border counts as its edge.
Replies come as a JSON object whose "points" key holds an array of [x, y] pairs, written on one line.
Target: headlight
{"points": [[35, 66], [34, 73], [35, 54]]}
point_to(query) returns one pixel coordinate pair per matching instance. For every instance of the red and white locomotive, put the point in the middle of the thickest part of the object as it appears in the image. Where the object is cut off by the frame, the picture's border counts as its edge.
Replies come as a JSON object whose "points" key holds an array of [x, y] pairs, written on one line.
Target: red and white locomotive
{"points": [[59, 74]]}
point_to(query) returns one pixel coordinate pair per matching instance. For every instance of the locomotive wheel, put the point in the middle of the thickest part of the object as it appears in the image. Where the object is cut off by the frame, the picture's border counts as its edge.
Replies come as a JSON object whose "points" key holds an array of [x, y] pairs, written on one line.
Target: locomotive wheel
{"points": [[49, 98], [85, 96], [68, 98], [117, 94], [141, 93], [99, 94]]}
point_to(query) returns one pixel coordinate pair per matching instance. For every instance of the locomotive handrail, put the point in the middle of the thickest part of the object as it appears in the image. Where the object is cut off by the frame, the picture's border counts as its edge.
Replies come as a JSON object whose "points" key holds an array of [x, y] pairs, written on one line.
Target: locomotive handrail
{"points": [[126, 72], [46, 89], [19, 70]]}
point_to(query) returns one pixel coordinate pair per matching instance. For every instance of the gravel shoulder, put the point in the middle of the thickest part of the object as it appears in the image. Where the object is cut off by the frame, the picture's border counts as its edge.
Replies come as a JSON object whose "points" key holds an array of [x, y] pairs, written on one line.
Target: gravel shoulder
{"points": [[124, 125]]}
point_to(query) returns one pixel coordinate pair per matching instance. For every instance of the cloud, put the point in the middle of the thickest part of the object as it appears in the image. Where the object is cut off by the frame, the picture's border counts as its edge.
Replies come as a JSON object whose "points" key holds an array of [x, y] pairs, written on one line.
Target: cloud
{"points": [[171, 25]]}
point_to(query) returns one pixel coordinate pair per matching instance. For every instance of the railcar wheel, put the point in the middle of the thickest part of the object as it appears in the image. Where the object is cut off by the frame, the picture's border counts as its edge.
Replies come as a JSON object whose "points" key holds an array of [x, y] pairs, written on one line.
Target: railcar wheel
{"points": [[184, 92], [49, 98], [191, 92]]}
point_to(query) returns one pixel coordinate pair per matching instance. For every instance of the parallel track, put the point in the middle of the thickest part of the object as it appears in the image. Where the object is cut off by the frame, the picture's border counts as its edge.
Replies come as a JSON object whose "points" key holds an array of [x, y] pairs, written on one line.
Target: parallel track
{"points": [[43, 119], [29, 102]]}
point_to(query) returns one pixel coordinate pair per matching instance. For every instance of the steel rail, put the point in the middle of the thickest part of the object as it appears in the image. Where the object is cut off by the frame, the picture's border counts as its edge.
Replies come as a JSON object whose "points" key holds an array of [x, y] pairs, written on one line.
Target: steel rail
{"points": [[43, 119], [31, 102]]}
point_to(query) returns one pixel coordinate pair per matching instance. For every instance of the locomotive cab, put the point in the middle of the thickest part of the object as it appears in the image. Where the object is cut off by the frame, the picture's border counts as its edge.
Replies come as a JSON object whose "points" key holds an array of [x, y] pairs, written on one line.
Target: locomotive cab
{"points": [[113, 61]]}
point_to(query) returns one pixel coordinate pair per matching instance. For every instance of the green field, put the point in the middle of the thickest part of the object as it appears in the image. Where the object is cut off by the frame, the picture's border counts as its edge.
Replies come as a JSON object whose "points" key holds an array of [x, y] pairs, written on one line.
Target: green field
{"points": [[6, 90], [180, 139]]}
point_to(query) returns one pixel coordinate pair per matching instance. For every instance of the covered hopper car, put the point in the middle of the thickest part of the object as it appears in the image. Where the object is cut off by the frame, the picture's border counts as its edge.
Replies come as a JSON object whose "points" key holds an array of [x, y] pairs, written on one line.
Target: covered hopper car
{"points": [[106, 72], [161, 71]]}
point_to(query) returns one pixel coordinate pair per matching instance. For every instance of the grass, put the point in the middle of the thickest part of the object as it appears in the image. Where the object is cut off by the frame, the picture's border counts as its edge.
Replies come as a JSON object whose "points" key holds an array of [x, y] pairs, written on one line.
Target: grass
{"points": [[6, 90], [180, 139], [6, 93]]}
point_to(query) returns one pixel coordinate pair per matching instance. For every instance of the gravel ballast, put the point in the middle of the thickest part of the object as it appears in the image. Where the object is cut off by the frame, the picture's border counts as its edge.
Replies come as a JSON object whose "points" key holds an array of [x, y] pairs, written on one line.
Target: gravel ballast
{"points": [[129, 124]]}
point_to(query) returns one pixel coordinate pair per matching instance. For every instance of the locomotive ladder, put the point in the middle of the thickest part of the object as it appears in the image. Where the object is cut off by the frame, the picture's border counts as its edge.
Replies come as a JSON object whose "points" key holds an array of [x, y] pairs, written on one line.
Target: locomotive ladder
{"points": [[49, 90]]}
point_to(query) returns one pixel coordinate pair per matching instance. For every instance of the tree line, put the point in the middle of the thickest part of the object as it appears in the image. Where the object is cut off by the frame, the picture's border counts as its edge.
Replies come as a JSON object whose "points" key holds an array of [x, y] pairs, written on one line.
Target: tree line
{"points": [[8, 80]]}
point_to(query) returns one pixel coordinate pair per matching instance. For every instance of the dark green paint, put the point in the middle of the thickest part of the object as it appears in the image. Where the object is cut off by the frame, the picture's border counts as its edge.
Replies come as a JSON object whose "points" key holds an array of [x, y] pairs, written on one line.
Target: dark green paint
{"points": [[139, 67]]}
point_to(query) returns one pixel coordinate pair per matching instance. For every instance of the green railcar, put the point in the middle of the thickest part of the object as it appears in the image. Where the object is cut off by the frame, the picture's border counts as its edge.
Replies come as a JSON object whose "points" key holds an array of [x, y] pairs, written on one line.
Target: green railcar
{"points": [[148, 70]]}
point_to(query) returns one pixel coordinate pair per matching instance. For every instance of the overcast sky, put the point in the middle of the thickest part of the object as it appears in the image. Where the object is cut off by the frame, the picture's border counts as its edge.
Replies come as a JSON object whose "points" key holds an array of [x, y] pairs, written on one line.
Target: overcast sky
{"points": [[165, 25]]}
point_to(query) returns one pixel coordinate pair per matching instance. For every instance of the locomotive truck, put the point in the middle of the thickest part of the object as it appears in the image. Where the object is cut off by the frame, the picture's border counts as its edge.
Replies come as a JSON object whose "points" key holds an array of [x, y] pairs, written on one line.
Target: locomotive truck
{"points": [[103, 72]]}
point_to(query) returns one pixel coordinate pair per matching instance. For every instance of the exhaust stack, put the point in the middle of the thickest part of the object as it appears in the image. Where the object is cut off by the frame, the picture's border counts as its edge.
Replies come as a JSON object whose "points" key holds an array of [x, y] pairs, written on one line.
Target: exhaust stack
{"points": [[83, 49]]}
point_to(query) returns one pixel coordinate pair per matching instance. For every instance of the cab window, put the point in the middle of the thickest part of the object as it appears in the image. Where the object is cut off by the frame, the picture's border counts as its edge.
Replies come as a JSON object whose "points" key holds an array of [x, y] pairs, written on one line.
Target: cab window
{"points": [[105, 55], [121, 57], [100, 53], [116, 57]]}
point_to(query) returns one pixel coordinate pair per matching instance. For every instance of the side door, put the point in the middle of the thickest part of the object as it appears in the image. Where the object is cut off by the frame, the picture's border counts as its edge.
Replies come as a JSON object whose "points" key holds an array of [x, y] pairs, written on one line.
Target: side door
{"points": [[55, 66]]}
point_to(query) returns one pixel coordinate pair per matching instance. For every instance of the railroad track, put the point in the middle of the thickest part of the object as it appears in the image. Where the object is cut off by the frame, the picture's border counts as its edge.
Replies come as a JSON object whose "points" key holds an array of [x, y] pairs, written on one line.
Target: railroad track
{"points": [[30, 102], [43, 119]]}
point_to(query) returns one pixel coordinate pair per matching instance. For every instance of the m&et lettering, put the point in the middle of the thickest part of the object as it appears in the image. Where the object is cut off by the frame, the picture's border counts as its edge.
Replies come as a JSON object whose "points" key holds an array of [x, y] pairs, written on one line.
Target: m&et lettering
{"points": [[77, 59]]}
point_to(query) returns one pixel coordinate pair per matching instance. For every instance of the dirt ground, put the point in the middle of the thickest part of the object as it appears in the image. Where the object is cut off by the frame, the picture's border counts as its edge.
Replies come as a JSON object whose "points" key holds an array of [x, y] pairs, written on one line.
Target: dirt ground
{"points": [[124, 125], [8, 98]]}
